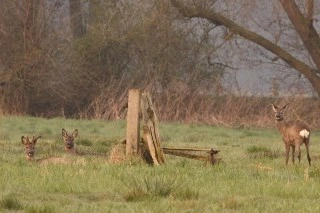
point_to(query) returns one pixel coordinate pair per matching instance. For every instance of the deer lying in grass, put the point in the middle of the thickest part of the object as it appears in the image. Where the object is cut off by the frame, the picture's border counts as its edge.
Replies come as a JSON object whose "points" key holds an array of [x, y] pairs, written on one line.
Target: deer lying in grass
{"points": [[69, 140], [30, 146], [294, 134]]}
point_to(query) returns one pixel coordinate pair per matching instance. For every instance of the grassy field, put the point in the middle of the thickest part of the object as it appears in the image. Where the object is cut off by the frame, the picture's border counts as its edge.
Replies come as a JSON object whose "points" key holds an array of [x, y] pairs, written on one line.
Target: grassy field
{"points": [[252, 176]]}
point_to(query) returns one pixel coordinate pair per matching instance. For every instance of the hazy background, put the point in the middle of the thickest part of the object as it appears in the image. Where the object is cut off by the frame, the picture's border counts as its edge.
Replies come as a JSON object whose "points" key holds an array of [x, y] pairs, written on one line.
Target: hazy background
{"points": [[78, 59]]}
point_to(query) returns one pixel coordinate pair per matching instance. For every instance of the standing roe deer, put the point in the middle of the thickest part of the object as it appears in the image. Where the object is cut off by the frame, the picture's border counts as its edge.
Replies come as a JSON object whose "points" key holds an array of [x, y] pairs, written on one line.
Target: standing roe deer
{"points": [[69, 140], [30, 146], [294, 134]]}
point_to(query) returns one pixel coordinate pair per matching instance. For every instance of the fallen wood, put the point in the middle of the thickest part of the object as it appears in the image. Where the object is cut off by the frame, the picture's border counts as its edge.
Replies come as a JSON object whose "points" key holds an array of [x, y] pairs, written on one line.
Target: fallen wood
{"points": [[186, 155], [150, 127], [208, 155], [188, 149]]}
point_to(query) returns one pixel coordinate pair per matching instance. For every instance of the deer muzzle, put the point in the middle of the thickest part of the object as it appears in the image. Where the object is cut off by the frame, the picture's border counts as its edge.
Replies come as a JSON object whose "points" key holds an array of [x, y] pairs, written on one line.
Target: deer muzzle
{"points": [[30, 153], [69, 145]]}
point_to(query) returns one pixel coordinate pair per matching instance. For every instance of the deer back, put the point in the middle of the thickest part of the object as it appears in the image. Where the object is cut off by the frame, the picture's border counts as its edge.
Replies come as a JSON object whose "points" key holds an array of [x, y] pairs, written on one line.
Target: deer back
{"points": [[292, 130]]}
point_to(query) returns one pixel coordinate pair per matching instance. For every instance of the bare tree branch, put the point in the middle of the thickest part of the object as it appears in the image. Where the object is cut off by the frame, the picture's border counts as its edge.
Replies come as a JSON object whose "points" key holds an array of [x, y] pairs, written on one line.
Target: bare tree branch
{"points": [[307, 32], [310, 8], [212, 16]]}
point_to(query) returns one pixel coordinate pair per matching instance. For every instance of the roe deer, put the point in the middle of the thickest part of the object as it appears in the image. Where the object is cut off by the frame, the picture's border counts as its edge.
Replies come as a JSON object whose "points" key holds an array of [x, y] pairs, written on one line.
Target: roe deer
{"points": [[30, 146], [294, 134], [69, 140]]}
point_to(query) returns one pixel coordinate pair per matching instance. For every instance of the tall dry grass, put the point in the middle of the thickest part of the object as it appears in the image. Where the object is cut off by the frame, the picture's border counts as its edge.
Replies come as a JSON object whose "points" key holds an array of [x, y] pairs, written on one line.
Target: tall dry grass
{"points": [[227, 110], [232, 110]]}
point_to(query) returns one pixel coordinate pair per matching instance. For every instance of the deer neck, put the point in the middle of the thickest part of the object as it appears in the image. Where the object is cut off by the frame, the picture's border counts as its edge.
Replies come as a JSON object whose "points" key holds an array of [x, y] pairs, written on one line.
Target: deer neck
{"points": [[281, 125], [30, 158], [70, 150]]}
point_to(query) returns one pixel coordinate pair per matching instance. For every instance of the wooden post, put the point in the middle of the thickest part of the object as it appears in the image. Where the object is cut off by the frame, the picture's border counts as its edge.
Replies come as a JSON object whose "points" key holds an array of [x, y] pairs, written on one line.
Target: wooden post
{"points": [[151, 129], [133, 123]]}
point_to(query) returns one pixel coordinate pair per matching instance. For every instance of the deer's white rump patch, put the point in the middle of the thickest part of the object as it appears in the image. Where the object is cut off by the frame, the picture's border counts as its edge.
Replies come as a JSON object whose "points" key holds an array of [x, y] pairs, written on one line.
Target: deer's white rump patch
{"points": [[304, 133]]}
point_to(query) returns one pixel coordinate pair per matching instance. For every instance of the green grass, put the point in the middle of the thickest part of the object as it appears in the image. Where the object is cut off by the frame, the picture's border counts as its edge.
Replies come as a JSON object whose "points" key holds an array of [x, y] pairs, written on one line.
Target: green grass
{"points": [[252, 176]]}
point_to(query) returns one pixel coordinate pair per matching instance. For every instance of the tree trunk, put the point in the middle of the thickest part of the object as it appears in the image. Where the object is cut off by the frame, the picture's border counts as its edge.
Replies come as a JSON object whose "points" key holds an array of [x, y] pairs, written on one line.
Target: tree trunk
{"points": [[307, 33], [76, 18]]}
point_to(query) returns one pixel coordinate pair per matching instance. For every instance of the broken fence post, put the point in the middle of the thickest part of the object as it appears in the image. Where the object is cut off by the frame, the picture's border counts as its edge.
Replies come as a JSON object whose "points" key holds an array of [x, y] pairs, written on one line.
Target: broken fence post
{"points": [[133, 122]]}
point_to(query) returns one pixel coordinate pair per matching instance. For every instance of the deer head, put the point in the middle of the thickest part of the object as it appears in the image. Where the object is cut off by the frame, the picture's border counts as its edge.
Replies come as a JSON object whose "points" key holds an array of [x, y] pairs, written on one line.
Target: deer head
{"points": [[279, 112], [69, 139], [30, 145]]}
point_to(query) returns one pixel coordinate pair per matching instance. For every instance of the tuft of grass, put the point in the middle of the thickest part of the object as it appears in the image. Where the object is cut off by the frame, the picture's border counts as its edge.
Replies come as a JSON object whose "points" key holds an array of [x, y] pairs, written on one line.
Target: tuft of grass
{"points": [[257, 152], [104, 145], [149, 188], [186, 193], [231, 203], [135, 194], [10, 203]]}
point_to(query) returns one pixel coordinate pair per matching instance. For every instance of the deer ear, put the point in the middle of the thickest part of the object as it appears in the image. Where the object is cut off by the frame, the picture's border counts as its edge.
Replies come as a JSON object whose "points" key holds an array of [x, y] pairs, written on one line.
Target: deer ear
{"points": [[24, 140], [35, 140], [64, 133], [284, 108], [274, 107], [75, 133]]}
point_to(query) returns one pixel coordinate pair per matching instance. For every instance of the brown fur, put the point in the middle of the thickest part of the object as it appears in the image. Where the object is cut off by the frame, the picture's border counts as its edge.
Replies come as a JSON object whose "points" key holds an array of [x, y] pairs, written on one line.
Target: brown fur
{"points": [[290, 132], [69, 141], [30, 145]]}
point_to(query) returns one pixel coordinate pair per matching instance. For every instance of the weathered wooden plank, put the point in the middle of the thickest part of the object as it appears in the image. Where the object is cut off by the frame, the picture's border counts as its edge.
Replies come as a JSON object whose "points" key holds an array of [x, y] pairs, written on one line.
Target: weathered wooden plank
{"points": [[151, 129], [186, 149], [133, 122], [186, 155], [150, 145], [208, 155]]}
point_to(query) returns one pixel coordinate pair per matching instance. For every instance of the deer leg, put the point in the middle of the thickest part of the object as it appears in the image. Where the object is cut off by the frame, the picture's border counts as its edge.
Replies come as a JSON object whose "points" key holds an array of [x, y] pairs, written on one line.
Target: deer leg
{"points": [[293, 153], [299, 153], [287, 153], [308, 155]]}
